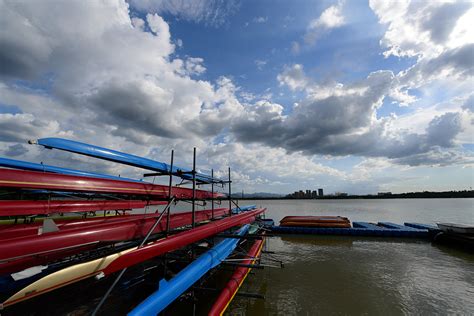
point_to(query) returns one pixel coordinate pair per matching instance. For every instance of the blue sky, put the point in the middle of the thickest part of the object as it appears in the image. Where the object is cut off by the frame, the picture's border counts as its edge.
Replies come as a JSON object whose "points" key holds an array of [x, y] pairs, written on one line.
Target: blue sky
{"points": [[350, 96]]}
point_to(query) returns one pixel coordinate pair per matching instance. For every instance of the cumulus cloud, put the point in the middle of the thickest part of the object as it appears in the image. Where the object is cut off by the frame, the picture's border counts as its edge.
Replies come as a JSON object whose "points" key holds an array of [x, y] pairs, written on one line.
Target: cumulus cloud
{"points": [[16, 150], [294, 77], [420, 28], [209, 12], [341, 120], [331, 18], [437, 34]]}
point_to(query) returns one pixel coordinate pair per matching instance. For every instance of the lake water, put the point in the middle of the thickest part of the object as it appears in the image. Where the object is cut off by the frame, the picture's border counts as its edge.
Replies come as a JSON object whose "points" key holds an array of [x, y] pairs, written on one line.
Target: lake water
{"points": [[335, 275]]}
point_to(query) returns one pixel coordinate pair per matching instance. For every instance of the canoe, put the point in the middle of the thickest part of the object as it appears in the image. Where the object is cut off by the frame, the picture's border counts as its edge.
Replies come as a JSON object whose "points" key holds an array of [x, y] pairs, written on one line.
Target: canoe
{"points": [[25, 251], [120, 157], [168, 291], [456, 228], [25, 165], [52, 181], [44, 207], [236, 280], [118, 261]]}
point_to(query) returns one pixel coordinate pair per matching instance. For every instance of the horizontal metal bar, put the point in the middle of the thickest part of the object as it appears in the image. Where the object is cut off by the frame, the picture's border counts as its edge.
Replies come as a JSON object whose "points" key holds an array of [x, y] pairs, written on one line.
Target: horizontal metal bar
{"points": [[153, 174], [234, 264]]}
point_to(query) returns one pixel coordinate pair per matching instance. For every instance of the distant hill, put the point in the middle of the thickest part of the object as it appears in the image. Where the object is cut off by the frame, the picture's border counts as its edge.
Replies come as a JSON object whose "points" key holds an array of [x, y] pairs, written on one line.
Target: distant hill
{"points": [[256, 195]]}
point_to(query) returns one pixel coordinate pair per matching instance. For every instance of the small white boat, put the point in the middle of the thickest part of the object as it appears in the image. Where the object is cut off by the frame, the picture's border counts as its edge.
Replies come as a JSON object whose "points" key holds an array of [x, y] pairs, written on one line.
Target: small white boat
{"points": [[456, 228]]}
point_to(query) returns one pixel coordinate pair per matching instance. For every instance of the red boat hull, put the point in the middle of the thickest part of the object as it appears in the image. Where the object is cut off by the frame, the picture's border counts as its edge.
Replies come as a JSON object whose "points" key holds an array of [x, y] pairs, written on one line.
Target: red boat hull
{"points": [[180, 240], [52, 181], [236, 280], [21, 208], [127, 258], [22, 252]]}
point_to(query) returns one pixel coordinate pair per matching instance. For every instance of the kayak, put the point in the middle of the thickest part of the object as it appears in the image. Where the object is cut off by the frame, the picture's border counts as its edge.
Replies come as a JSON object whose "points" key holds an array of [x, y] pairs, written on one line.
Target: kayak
{"points": [[120, 157], [112, 263], [170, 290], [52, 181], [45, 207], [236, 280], [25, 165], [25, 251]]}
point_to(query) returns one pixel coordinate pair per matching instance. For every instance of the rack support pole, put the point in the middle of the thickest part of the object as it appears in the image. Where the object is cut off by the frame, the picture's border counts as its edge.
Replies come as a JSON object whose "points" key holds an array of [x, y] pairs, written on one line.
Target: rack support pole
{"points": [[194, 189], [230, 195], [212, 193], [168, 215]]}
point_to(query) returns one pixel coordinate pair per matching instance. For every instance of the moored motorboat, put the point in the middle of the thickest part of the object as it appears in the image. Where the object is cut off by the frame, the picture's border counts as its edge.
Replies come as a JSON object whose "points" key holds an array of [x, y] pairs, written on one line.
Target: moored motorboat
{"points": [[456, 228]]}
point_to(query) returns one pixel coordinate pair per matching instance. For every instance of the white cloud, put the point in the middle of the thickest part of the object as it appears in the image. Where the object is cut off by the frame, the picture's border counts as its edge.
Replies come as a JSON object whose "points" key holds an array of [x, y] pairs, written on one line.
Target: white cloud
{"points": [[331, 18], [260, 19], [295, 48], [260, 63], [422, 28], [294, 77]]}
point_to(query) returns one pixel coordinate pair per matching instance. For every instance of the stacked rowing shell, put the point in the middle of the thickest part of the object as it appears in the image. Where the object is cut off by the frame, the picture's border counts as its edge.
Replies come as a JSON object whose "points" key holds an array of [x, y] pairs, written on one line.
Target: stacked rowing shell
{"points": [[316, 221]]}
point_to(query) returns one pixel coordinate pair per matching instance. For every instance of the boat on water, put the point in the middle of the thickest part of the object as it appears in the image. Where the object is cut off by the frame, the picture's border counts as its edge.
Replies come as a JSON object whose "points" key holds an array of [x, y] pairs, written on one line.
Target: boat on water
{"points": [[315, 221], [456, 228]]}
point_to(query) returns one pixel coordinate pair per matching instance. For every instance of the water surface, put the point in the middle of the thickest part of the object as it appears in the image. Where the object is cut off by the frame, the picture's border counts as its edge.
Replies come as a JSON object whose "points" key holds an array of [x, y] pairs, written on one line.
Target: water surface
{"points": [[335, 275]]}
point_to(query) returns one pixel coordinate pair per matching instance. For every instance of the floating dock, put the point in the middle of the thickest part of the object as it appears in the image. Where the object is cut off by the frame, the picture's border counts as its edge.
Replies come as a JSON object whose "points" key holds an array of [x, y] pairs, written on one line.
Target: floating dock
{"points": [[381, 229]]}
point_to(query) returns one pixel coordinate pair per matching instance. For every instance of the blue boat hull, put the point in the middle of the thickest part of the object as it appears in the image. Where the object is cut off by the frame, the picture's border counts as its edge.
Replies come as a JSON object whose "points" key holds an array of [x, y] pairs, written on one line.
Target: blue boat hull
{"points": [[170, 290]]}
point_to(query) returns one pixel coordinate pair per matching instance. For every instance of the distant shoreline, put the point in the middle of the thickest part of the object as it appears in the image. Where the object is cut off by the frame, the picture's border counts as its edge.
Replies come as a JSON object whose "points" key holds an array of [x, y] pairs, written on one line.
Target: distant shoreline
{"points": [[409, 195]]}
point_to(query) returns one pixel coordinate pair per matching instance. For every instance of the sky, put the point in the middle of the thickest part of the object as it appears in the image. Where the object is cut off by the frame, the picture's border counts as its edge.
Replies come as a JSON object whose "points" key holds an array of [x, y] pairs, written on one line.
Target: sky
{"points": [[349, 96]]}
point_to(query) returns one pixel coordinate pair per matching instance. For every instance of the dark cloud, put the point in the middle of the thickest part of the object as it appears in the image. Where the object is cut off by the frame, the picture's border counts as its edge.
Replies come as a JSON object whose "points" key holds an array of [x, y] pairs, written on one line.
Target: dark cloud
{"points": [[16, 150], [345, 124], [130, 106], [324, 126], [435, 157], [442, 19], [21, 127], [458, 62], [23, 49], [443, 129], [469, 103]]}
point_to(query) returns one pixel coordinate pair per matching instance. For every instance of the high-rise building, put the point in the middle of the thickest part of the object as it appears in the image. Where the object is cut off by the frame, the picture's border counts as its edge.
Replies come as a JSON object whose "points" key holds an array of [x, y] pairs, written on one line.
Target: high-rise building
{"points": [[314, 194], [320, 192], [308, 194]]}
